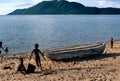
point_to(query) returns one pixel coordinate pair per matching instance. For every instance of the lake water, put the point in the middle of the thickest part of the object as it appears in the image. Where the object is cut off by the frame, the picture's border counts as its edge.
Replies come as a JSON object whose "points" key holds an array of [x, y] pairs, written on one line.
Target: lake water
{"points": [[20, 32]]}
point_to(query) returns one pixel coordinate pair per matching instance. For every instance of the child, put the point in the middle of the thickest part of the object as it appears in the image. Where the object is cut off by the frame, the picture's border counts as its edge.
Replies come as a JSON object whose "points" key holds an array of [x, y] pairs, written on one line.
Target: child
{"points": [[112, 42], [21, 68], [1, 47], [36, 52]]}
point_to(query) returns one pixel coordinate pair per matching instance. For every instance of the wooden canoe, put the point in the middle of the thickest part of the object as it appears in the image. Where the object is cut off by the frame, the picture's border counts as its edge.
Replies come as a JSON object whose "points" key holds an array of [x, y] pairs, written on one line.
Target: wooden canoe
{"points": [[75, 51]]}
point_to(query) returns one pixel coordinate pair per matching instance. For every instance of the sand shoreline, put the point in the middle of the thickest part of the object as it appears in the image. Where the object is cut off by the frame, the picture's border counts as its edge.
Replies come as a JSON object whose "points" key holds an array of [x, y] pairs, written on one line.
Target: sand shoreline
{"points": [[105, 67]]}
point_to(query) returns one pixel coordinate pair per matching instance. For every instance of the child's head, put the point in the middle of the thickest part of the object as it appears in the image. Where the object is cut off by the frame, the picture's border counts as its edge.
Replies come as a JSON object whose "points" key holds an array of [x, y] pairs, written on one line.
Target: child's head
{"points": [[21, 60], [36, 46]]}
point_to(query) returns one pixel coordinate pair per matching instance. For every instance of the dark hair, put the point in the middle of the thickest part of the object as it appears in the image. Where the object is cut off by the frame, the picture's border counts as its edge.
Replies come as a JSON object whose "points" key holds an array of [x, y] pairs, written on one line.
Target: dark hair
{"points": [[21, 60], [0, 44], [36, 45]]}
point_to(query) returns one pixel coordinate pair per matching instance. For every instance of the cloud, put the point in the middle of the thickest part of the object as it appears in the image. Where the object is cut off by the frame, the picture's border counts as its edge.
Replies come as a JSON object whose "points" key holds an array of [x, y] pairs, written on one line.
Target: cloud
{"points": [[25, 4], [114, 0], [7, 6], [109, 3], [100, 3]]}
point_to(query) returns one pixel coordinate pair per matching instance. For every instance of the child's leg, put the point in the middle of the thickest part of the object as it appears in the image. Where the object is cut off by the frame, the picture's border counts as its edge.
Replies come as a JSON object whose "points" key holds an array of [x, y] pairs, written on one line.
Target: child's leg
{"points": [[38, 63]]}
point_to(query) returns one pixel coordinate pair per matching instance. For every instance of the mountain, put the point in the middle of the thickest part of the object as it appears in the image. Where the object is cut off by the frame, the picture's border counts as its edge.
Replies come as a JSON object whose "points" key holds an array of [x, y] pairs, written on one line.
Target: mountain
{"points": [[63, 7]]}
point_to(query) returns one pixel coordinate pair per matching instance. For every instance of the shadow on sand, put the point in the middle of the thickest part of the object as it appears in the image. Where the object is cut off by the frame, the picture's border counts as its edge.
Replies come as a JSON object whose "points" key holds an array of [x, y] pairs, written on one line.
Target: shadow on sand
{"points": [[94, 57]]}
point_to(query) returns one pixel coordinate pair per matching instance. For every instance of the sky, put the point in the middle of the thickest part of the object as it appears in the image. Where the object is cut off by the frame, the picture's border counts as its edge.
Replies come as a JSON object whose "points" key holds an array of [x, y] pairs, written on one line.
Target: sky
{"points": [[7, 6]]}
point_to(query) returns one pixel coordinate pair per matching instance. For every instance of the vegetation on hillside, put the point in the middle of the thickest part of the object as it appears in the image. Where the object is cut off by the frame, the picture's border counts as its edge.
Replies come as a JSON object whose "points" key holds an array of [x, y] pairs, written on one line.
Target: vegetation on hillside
{"points": [[63, 7]]}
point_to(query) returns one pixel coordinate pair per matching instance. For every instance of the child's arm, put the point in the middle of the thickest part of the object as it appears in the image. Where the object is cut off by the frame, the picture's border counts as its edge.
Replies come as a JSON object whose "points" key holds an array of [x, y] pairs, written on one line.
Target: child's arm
{"points": [[42, 55]]}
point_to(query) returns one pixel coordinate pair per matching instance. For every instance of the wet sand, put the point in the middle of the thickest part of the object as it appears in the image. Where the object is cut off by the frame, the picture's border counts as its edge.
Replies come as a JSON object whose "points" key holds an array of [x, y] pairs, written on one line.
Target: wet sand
{"points": [[105, 67]]}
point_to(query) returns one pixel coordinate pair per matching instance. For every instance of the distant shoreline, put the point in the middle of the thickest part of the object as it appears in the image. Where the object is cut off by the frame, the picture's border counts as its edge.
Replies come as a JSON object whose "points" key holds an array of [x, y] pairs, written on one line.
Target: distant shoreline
{"points": [[66, 15]]}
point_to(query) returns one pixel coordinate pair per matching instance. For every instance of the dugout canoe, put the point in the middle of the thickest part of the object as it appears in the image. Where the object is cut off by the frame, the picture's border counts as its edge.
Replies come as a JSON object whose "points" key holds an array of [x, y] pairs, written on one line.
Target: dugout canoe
{"points": [[76, 51]]}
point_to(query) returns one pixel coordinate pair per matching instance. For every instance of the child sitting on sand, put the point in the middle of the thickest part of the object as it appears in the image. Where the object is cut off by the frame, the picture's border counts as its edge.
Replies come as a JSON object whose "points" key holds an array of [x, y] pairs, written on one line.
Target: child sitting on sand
{"points": [[111, 42], [36, 52], [21, 68]]}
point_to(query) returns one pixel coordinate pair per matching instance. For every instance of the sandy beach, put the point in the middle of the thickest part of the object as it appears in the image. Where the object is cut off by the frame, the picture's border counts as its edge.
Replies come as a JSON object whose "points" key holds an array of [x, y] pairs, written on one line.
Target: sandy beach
{"points": [[105, 67]]}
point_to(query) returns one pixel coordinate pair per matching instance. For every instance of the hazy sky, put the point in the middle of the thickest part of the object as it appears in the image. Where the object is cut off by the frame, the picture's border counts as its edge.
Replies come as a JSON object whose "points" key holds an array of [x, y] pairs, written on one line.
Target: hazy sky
{"points": [[7, 6]]}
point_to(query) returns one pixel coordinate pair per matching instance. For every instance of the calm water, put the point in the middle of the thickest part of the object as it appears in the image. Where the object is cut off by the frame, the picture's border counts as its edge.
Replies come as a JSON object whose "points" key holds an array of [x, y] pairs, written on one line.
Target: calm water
{"points": [[20, 33]]}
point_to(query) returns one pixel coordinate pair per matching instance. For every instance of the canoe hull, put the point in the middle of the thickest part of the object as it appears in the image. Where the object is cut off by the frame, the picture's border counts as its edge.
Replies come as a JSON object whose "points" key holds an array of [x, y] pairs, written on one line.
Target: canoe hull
{"points": [[78, 53]]}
